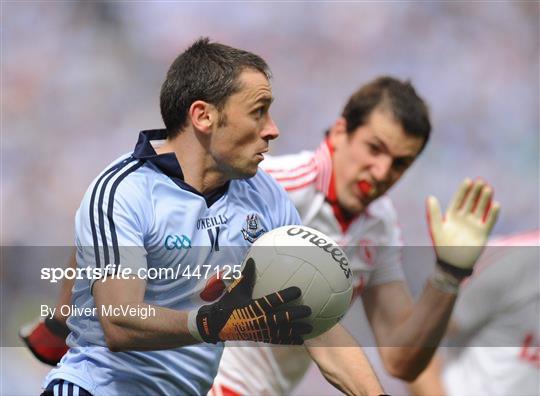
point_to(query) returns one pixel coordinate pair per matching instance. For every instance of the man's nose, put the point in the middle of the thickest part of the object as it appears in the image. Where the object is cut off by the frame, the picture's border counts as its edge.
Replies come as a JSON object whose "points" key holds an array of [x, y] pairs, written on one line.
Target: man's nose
{"points": [[270, 130], [381, 168]]}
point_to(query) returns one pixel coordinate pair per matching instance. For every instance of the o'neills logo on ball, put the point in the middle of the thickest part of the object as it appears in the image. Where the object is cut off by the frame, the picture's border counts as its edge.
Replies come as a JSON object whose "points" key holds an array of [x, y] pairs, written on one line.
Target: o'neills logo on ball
{"points": [[328, 247]]}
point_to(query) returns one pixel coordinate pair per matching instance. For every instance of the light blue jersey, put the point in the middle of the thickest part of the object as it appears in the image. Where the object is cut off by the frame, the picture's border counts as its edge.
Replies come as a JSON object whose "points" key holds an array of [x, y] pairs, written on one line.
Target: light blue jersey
{"points": [[140, 215]]}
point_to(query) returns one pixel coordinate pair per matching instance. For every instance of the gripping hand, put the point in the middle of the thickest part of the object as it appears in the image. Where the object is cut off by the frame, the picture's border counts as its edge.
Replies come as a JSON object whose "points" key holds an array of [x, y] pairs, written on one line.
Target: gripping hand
{"points": [[460, 236], [46, 339], [236, 316]]}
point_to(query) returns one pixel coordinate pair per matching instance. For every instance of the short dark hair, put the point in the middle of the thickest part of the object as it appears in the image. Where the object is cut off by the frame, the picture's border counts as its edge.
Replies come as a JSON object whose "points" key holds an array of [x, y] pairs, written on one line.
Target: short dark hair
{"points": [[205, 71], [394, 95]]}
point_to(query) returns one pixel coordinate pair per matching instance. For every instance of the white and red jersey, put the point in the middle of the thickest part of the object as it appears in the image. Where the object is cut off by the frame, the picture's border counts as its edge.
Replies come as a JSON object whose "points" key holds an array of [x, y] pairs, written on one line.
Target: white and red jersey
{"points": [[497, 348], [372, 242]]}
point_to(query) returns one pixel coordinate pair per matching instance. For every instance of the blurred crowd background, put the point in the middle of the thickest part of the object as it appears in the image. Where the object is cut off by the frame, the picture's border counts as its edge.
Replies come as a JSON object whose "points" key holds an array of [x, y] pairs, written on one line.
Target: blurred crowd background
{"points": [[80, 79]]}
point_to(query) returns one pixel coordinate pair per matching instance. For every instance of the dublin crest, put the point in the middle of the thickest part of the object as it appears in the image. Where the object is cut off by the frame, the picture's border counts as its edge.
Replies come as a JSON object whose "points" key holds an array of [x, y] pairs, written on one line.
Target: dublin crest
{"points": [[252, 230]]}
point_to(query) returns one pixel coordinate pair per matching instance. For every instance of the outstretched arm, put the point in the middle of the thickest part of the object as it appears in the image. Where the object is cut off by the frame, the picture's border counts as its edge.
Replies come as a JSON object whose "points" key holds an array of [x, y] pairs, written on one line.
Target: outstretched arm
{"points": [[408, 333], [343, 363], [429, 382]]}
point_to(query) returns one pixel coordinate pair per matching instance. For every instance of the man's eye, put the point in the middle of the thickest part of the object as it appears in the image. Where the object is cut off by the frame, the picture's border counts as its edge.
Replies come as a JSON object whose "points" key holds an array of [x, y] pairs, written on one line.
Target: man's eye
{"points": [[400, 164], [260, 112], [373, 148]]}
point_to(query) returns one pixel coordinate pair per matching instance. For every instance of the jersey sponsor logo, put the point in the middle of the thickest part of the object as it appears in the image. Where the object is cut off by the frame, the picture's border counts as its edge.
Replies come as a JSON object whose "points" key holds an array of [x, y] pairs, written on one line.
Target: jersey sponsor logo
{"points": [[177, 242], [530, 350], [252, 229], [209, 222], [367, 251], [334, 251], [358, 288]]}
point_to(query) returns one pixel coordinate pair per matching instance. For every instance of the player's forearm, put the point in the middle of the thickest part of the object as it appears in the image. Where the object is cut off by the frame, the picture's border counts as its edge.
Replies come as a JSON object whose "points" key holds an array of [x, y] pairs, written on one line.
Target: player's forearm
{"points": [[343, 363], [429, 382], [356, 377], [413, 342], [65, 293], [145, 327]]}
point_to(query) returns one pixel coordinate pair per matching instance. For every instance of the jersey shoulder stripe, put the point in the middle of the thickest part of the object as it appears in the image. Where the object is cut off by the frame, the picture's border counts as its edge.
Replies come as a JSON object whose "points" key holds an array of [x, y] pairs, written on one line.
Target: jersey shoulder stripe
{"points": [[285, 170], [268, 187], [100, 187], [292, 172], [307, 170], [110, 207], [302, 183], [109, 171]]}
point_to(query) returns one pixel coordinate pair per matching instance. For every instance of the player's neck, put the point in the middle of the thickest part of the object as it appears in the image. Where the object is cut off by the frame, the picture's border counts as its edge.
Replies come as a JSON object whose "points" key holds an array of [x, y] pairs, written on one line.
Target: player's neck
{"points": [[198, 167]]}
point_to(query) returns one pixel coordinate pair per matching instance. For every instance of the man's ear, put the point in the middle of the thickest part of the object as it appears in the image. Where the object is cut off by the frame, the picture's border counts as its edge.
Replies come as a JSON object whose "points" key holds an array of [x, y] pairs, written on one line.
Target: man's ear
{"points": [[338, 133], [203, 115]]}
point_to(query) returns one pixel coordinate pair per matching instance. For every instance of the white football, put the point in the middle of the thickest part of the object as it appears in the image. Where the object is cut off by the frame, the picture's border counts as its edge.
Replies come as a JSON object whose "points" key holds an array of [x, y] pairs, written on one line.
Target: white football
{"points": [[303, 257]]}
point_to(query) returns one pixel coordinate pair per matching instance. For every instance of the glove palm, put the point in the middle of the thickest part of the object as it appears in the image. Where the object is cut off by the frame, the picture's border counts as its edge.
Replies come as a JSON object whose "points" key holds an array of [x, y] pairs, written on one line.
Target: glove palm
{"points": [[461, 235]]}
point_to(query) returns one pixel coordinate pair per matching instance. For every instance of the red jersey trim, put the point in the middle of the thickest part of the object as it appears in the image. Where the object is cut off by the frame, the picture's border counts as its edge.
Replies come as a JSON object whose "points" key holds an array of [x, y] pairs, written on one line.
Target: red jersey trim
{"points": [[331, 195], [290, 171], [295, 177], [299, 186]]}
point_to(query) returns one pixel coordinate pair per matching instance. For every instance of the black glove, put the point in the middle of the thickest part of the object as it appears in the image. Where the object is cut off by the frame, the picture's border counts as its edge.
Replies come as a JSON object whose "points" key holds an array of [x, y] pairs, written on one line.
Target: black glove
{"points": [[236, 316]]}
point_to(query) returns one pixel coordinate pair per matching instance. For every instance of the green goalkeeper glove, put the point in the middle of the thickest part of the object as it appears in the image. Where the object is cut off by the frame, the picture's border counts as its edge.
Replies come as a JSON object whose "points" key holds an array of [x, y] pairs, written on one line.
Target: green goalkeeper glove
{"points": [[461, 235], [236, 316]]}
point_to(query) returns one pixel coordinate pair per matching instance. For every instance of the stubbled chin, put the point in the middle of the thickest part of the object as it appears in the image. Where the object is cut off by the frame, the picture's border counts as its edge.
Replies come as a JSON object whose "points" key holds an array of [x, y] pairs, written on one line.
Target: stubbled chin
{"points": [[251, 172], [353, 209], [245, 173]]}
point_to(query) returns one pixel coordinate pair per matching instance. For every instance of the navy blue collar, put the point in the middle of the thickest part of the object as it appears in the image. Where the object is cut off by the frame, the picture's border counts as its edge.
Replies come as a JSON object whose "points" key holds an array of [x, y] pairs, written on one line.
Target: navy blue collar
{"points": [[169, 165]]}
